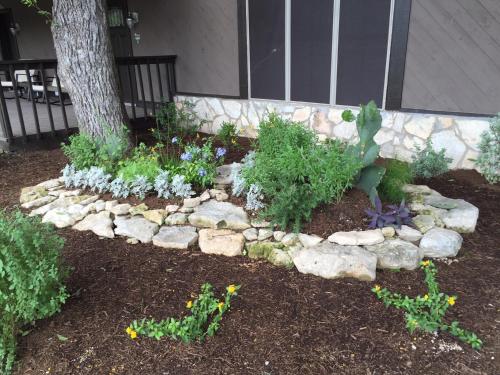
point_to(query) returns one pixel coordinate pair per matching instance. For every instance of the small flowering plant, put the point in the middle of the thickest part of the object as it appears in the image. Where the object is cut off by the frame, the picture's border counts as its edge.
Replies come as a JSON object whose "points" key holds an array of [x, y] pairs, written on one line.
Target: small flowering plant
{"points": [[206, 313], [427, 312]]}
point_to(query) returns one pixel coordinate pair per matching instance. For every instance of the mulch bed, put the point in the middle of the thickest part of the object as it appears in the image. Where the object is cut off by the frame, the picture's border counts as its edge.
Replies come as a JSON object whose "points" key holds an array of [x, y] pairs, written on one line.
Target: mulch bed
{"points": [[282, 322]]}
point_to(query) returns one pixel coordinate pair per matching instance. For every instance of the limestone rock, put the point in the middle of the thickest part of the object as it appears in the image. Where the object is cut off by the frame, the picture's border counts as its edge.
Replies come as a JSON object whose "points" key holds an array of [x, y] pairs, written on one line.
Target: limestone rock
{"points": [[136, 227], [331, 261], [205, 196], [308, 240], [224, 174], [218, 215], [88, 199], [221, 242], [407, 233], [278, 235], [396, 254], [260, 250], [388, 232], [439, 201], [354, 238], [424, 223], [156, 216], [258, 223], [251, 234], [280, 258], [59, 217], [110, 204], [38, 202], [440, 243], [121, 209], [172, 208], [31, 193], [99, 223], [192, 202], [99, 206], [463, 218], [50, 184], [264, 234], [180, 237], [290, 239], [186, 210], [138, 210], [176, 219]]}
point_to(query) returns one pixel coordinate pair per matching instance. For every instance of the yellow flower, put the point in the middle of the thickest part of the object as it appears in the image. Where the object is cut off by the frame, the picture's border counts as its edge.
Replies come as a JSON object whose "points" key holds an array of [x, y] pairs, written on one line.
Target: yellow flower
{"points": [[128, 330], [426, 297], [189, 304], [451, 301], [377, 288], [133, 334], [220, 306], [425, 263], [231, 289]]}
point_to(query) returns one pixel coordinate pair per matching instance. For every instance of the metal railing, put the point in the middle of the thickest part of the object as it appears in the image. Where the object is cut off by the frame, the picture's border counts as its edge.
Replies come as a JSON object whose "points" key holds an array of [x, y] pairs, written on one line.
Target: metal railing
{"points": [[30, 87]]}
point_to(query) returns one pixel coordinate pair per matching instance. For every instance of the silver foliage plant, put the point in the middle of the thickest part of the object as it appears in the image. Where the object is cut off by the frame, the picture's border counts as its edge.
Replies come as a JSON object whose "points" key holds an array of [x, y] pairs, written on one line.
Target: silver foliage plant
{"points": [[119, 188], [180, 188], [254, 198], [239, 185], [68, 174], [488, 161], [162, 185], [140, 186], [98, 180], [80, 179]]}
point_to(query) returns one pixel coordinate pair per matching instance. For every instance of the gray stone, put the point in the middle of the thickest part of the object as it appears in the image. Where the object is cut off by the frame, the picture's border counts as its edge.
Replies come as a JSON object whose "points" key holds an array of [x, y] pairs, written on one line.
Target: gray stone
{"points": [[388, 232], [308, 240], [251, 234], [354, 238], [186, 210], [100, 224], [89, 199], [280, 258], [290, 239], [59, 217], [121, 209], [407, 233], [50, 184], [264, 234], [439, 201], [61, 202], [221, 242], [258, 223], [136, 227], [155, 216], [396, 254], [224, 174], [424, 223], [110, 204], [218, 215], [440, 243], [278, 235], [454, 147], [222, 196], [205, 196], [32, 193], [463, 218], [38, 202], [192, 202], [171, 208], [176, 219], [138, 210], [331, 261], [99, 206], [180, 237]]}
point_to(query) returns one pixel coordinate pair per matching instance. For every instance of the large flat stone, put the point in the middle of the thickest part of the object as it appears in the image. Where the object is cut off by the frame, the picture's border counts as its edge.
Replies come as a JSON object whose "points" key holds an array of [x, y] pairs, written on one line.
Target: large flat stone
{"points": [[99, 223], [332, 261], [60, 217], [178, 237], [407, 233], [441, 243], [358, 238], [136, 227], [38, 202], [396, 254], [463, 218], [32, 193], [221, 242], [219, 215]]}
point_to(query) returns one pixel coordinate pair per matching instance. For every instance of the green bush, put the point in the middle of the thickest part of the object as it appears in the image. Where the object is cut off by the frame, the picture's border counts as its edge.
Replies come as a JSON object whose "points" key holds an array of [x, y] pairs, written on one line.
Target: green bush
{"points": [[31, 278], [142, 162], [81, 150], [397, 174], [488, 161], [228, 134], [296, 173], [428, 163], [173, 120]]}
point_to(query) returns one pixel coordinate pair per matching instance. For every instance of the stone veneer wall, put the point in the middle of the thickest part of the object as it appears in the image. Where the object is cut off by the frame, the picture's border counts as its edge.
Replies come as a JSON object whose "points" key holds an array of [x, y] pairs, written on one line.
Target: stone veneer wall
{"points": [[400, 131]]}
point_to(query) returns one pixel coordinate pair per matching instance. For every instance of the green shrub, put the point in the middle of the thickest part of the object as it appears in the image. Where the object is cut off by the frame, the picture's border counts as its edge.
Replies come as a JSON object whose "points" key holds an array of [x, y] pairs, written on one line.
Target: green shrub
{"points": [[195, 326], [295, 173], [81, 150], [488, 161], [397, 174], [31, 278], [427, 313], [428, 163], [142, 162], [228, 134], [173, 120]]}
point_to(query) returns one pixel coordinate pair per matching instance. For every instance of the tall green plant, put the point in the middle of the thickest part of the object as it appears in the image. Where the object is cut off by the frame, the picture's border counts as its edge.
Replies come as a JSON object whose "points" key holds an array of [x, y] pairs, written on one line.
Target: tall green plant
{"points": [[31, 278]]}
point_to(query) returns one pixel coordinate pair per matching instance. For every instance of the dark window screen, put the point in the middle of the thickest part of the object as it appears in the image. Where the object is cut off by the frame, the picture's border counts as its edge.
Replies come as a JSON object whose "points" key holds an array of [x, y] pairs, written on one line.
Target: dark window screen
{"points": [[267, 48], [311, 50], [364, 27]]}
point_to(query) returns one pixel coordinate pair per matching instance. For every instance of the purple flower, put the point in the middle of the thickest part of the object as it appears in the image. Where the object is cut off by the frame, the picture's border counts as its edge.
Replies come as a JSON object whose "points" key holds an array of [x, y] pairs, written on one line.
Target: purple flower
{"points": [[175, 140], [187, 156], [220, 152], [202, 172]]}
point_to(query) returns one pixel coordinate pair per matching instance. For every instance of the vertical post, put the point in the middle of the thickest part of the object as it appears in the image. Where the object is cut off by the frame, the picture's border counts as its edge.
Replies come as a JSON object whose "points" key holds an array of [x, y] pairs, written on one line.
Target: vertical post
{"points": [[132, 87], [47, 101], [33, 103], [141, 85], [18, 104], [151, 91], [4, 118], [159, 82], [61, 101]]}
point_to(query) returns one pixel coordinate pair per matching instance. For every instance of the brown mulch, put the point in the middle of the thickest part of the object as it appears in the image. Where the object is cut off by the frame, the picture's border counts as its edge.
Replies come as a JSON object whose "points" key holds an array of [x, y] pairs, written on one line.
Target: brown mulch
{"points": [[282, 322]]}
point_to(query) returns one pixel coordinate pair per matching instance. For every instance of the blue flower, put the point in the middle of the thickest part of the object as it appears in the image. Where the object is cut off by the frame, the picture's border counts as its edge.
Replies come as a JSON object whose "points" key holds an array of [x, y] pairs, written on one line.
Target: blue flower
{"points": [[202, 172], [220, 152], [187, 156], [175, 140]]}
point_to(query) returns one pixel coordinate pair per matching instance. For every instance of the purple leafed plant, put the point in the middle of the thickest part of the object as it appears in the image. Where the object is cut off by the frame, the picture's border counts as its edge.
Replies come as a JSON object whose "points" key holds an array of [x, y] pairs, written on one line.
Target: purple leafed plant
{"points": [[394, 217]]}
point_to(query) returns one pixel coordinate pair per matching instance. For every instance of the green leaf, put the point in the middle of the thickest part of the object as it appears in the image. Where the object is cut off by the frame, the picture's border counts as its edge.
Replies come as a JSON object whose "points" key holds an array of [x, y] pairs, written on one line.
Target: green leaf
{"points": [[61, 337]]}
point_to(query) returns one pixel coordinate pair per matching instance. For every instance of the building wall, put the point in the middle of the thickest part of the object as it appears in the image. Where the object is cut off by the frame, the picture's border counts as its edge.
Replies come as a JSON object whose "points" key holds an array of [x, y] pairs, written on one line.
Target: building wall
{"points": [[35, 38], [204, 36], [401, 133], [453, 56]]}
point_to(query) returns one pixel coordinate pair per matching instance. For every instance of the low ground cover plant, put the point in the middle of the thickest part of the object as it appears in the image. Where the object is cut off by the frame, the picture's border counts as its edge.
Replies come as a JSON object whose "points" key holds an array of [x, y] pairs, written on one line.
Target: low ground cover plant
{"points": [[488, 161], [31, 278], [428, 163], [397, 174], [427, 312], [394, 215], [206, 312]]}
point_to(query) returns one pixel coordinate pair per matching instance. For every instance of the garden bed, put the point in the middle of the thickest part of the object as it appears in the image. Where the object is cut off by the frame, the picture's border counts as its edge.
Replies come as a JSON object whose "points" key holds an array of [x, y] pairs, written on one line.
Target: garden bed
{"points": [[282, 322]]}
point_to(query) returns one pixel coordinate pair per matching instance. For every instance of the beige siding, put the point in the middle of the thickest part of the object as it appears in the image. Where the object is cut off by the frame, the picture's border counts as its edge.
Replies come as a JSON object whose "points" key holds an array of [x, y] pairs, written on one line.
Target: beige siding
{"points": [[453, 57]]}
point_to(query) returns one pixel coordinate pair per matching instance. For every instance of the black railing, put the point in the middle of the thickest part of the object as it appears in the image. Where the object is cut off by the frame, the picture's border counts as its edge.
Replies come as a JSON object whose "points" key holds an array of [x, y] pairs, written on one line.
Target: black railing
{"points": [[31, 88]]}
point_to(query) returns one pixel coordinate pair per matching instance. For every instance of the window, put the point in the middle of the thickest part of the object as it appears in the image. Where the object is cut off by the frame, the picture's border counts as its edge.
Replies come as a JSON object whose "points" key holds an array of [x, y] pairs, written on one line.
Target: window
{"points": [[319, 51]]}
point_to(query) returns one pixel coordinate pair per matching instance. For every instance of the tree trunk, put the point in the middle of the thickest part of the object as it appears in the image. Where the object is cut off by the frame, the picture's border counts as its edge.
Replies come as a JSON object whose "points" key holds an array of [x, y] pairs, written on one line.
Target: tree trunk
{"points": [[86, 64]]}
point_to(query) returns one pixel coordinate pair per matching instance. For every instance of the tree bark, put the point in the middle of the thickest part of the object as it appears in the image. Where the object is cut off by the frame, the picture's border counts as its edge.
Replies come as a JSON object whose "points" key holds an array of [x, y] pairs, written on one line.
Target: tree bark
{"points": [[86, 64]]}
